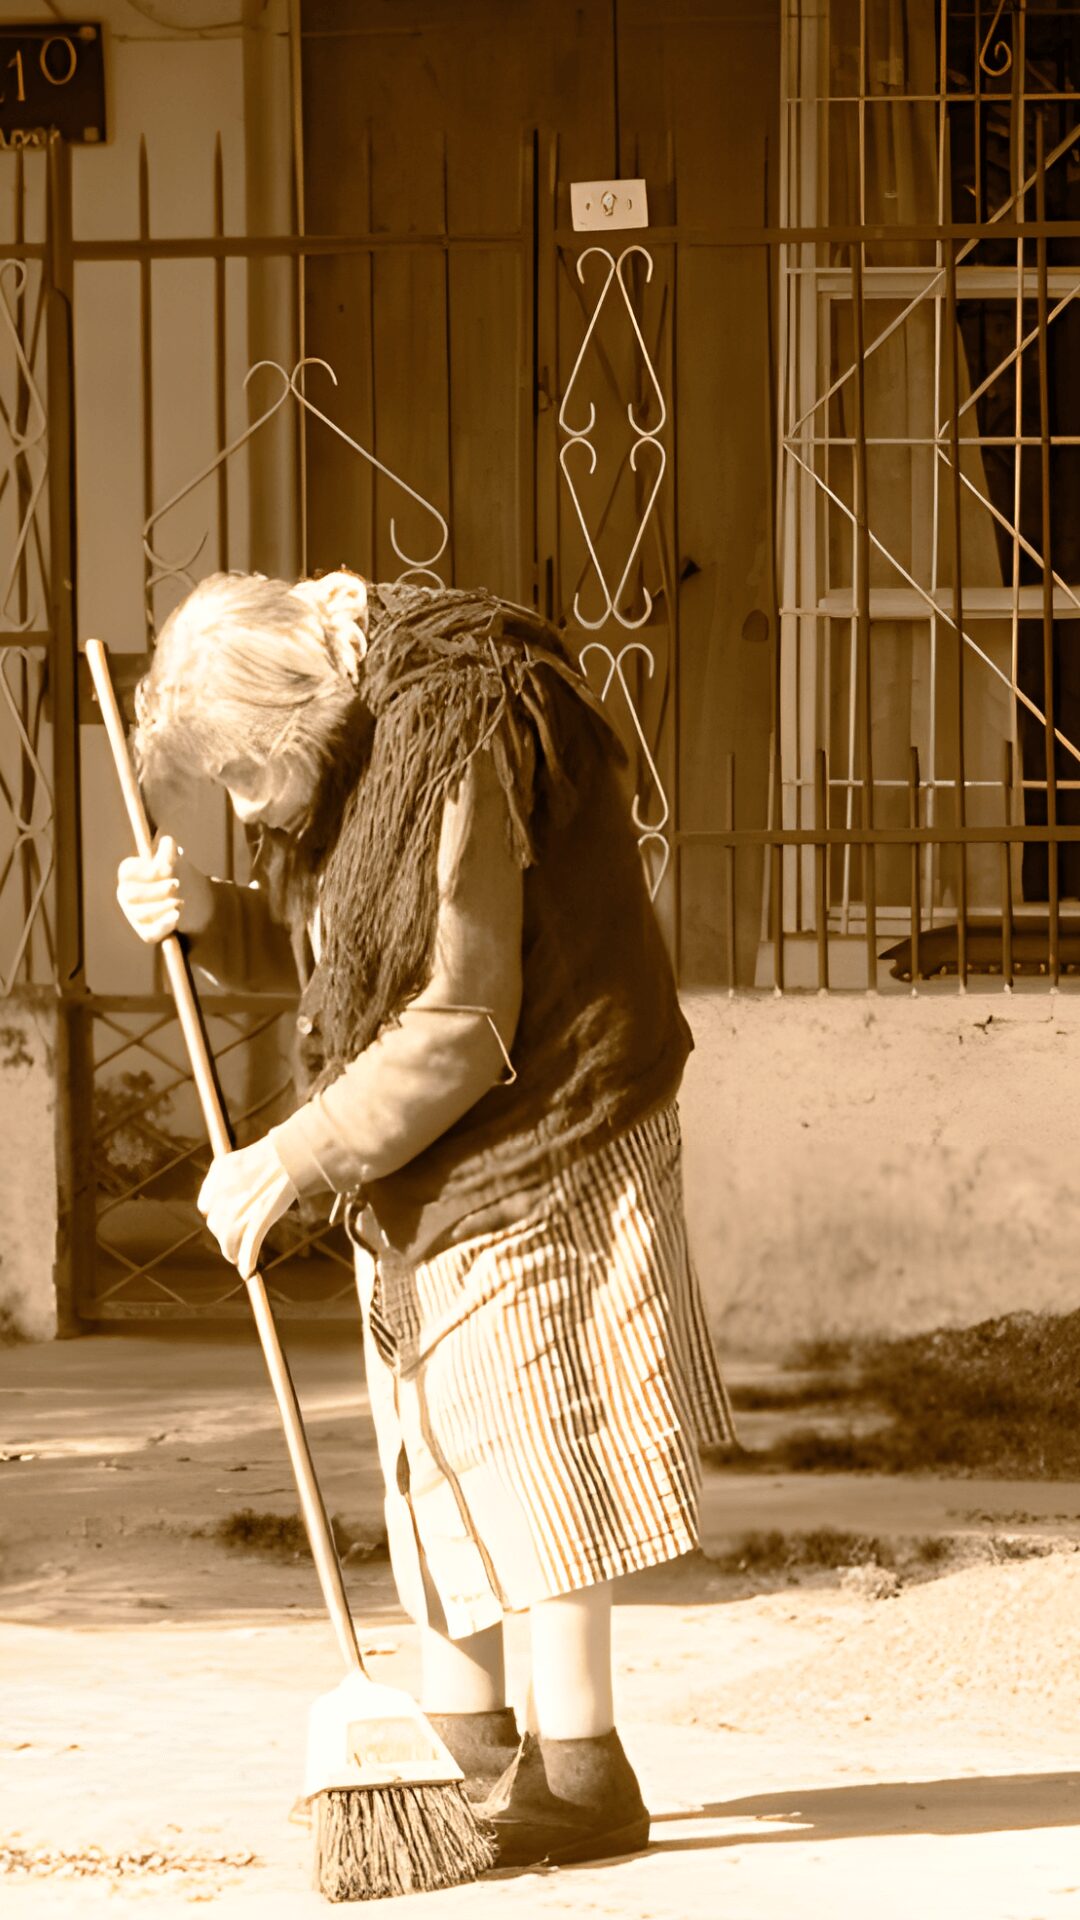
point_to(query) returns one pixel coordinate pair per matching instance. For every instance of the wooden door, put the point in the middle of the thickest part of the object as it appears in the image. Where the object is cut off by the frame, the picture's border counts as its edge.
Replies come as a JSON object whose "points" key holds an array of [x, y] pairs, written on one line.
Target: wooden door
{"points": [[440, 141]]}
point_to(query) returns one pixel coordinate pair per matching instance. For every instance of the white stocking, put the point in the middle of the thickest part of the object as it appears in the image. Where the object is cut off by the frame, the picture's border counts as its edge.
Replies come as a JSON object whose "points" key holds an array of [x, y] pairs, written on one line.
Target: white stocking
{"points": [[463, 1676], [571, 1696]]}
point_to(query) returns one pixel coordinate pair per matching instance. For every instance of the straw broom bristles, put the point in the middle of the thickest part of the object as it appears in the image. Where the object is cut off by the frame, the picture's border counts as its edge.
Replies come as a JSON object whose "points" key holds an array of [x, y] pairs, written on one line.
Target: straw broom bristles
{"points": [[374, 1842]]}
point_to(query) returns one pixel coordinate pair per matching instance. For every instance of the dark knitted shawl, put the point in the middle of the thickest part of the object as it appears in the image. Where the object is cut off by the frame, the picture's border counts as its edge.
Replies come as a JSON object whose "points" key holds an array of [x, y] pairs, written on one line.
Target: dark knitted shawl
{"points": [[448, 673]]}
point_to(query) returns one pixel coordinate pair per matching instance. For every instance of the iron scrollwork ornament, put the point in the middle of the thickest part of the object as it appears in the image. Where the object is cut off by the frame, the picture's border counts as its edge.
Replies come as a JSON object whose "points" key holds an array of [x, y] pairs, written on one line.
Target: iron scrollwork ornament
{"points": [[650, 832], [580, 436], [999, 62], [652, 838]]}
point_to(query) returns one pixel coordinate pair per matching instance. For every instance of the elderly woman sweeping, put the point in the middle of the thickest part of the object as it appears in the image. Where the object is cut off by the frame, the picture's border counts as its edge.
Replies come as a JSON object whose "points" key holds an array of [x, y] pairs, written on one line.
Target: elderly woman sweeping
{"points": [[491, 1048]]}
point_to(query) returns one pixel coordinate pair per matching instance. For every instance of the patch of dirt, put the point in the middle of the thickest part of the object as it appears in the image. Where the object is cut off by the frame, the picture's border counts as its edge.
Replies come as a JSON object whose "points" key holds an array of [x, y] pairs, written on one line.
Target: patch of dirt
{"points": [[41, 1863], [778, 1397], [282, 1536], [774, 1557], [998, 1399]]}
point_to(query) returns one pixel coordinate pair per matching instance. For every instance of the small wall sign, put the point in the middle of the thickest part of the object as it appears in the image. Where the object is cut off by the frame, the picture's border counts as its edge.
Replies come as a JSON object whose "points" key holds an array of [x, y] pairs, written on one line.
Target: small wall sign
{"points": [[52, 83], [596, 204]]}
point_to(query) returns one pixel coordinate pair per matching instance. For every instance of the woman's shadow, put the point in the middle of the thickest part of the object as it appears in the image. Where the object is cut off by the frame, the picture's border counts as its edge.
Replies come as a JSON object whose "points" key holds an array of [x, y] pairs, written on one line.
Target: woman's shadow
{"points": [[992, 1803]]}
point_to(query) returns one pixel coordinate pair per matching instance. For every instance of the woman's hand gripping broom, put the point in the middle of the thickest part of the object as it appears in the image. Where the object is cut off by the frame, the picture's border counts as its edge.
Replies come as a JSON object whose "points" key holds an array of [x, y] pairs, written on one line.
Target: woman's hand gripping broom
{"points": [[392, 1816]]}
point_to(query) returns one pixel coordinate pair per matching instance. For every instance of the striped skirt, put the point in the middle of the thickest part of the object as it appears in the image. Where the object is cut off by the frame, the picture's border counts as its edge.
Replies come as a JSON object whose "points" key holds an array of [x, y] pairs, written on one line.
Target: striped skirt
{"points": [[540, 1393]]}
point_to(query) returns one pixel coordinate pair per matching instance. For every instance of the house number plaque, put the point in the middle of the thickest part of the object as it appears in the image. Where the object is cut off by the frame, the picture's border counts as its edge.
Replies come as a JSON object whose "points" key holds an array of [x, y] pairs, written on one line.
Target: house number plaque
{"points": [[52, 83]]}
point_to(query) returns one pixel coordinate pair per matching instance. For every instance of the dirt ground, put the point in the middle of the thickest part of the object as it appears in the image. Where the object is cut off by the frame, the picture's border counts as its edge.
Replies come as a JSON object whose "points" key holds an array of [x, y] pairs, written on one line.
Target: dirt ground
{"points": [[811, 1741]]}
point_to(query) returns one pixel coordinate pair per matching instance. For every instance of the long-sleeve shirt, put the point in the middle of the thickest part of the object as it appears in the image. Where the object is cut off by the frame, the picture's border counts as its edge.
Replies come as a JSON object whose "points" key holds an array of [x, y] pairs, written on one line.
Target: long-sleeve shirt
{"points": [[453, 1040]]}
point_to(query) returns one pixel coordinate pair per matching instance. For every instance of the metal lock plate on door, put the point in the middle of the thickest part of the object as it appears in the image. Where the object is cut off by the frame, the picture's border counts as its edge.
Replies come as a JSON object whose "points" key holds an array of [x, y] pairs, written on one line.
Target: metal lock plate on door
{"points": [[599, 204]]}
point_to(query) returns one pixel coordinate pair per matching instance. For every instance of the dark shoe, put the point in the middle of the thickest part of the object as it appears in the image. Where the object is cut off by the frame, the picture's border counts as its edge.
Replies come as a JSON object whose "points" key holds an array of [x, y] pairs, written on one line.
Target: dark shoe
{"points": [[564, 1801], [483, 1744]]}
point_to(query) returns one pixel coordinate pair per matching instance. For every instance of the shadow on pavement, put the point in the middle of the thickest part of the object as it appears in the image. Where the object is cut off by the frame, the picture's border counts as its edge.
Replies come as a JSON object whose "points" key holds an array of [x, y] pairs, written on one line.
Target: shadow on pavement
{"points": [[996, 1803]]}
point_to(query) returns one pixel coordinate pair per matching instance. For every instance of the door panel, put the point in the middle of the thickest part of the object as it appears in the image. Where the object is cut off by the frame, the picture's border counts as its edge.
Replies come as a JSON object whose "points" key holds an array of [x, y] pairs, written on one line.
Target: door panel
{"points": [[415, 119], [454, 358]]}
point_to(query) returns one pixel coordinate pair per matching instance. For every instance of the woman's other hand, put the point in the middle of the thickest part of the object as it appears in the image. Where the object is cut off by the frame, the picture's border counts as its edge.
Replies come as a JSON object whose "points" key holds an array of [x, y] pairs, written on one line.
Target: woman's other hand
{"points": [[240, 1199], [164, 894]]}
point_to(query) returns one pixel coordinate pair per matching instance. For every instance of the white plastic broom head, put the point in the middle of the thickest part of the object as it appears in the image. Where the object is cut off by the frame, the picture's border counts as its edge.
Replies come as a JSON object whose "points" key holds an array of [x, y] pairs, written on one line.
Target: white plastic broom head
{"points": [[365, 1735]]}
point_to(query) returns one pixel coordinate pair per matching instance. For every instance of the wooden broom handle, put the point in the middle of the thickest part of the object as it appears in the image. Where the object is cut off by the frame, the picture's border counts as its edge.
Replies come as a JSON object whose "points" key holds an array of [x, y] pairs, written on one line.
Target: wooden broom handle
{"points": [[320, 1536]]}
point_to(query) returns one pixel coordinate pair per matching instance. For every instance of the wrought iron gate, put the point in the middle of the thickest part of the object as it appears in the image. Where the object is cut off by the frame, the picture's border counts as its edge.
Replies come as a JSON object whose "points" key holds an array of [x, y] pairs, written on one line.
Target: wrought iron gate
{"points": [[40, 876], [595, 513], [130, 1128]]}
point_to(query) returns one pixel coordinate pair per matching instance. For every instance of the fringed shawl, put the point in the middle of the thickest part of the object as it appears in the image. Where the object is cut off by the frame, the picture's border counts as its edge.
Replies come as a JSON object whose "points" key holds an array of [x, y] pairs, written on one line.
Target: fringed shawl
{"points": [[448, 674]]}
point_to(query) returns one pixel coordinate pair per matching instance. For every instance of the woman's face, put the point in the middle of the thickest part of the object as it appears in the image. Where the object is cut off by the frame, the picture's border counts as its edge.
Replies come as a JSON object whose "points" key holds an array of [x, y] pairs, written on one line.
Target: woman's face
{"points": [[273, 793]]}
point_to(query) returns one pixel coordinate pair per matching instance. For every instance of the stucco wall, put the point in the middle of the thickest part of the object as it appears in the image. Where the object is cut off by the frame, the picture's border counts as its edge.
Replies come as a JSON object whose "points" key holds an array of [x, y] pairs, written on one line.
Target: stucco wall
{"points": [[852, 1166], [858, 1165], [27, 1167]]}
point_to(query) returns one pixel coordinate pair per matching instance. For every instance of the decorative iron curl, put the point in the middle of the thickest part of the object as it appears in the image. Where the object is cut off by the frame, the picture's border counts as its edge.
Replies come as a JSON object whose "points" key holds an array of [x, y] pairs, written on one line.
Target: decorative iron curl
{"points": [[579, 436], [1002, 48], [291, 385], [414, 568], [650, 832], [180, 569]]}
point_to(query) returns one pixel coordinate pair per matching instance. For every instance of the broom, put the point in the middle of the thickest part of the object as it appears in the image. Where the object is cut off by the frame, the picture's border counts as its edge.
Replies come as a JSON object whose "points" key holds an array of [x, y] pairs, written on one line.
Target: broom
{"points": [[391, 1811]]}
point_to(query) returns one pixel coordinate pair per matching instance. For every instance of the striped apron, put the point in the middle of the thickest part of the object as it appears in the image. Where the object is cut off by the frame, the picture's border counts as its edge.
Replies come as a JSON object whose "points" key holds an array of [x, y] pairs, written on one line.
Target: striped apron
{"points": [[540, 1393]]}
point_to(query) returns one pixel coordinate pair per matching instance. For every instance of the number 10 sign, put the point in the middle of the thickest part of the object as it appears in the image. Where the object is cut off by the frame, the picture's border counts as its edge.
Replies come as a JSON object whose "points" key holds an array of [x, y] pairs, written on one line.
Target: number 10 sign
{"points": [[52, 83]]}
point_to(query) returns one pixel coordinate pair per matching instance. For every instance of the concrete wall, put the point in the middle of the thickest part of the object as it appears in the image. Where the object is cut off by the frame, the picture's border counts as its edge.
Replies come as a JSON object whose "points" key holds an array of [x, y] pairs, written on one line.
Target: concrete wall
{"points": [[861, 1165], [27, 1167], [853, 1166]]}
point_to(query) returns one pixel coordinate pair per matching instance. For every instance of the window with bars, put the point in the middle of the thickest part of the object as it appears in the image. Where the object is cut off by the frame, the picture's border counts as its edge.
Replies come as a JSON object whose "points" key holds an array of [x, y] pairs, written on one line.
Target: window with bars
{"points": [[929, 491]]}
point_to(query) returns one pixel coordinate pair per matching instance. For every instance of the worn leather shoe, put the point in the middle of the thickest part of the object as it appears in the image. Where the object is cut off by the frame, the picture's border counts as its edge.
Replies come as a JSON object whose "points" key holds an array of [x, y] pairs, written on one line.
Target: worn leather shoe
{"points": [[483, 1744], [564, 1801]]}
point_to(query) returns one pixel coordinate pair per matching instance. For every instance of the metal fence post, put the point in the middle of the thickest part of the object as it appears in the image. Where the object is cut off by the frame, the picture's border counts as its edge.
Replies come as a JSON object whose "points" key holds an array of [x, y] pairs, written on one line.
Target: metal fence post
{"points": [[74, 1072]]}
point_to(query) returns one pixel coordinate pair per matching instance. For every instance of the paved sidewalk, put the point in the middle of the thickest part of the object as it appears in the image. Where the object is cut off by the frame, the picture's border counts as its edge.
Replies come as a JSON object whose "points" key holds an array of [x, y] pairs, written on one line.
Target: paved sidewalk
{"points": [[104, 1437], [807, 1750]]}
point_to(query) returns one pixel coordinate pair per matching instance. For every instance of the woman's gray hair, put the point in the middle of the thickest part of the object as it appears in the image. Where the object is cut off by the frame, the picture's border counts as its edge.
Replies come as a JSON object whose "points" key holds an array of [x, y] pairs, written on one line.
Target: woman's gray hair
{"points": [[247, 667]]}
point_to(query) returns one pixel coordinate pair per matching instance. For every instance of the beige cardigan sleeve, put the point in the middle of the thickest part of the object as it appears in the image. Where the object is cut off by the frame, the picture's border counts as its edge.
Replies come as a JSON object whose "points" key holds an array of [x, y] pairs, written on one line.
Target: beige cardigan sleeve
{"points": [[451, 1045]]}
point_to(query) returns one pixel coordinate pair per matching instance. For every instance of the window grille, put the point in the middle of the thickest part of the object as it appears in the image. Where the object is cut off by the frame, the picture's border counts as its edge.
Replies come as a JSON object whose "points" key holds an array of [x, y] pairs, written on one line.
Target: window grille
{"points": [[929, 405]]}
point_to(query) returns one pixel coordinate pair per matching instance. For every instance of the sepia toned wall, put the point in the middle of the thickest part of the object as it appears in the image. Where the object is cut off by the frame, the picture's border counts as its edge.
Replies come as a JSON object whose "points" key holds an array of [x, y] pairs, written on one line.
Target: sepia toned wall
{"points": [[860, 1166], [852, 1166], [28, 1193]]}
